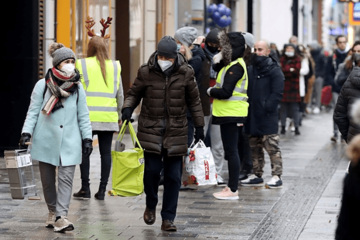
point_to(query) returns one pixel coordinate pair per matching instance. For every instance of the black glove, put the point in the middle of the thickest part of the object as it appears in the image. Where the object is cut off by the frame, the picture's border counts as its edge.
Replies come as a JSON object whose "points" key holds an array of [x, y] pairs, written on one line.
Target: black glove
{"points": [[87, 147], [126, 114], [199, 134], [25, 137]]}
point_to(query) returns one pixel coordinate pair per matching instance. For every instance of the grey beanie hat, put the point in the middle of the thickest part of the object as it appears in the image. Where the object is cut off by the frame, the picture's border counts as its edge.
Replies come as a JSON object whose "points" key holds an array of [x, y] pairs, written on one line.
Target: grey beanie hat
{"points": [[167, 47], [249, 39], [186, 35], [62, 54]]}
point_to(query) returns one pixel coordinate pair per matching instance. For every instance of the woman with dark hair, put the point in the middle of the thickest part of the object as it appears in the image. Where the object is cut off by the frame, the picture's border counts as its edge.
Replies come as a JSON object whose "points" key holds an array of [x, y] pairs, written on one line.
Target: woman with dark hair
{"points": [[104, 96], [291, 66], [346, 67]]}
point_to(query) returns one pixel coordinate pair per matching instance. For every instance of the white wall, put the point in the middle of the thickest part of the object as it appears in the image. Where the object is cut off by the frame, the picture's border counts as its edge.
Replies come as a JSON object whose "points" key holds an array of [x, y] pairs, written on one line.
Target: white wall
{"points": [[273, 21]]}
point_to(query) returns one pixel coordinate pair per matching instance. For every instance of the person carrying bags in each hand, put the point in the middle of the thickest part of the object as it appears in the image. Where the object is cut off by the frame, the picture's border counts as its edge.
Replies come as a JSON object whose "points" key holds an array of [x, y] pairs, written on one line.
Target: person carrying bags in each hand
{"points": [[167, 87], [58, 122]]}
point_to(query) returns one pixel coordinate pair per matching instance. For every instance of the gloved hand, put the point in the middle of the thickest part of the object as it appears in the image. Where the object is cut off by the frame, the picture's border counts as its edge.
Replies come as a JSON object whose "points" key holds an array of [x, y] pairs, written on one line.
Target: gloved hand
{"points": [[87, 147], [199, 134], [25, 137], [126, 114]]}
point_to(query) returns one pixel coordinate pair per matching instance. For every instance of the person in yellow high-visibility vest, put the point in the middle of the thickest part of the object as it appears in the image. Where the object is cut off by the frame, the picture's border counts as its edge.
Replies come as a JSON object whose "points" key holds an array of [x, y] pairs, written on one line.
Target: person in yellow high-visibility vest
{"points": [[104, 95], [230, 106]]}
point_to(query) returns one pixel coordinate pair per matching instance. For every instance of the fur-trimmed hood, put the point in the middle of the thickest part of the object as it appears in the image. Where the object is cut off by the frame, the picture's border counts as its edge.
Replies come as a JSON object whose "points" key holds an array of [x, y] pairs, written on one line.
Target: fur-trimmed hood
{"points": [[232, 46]]}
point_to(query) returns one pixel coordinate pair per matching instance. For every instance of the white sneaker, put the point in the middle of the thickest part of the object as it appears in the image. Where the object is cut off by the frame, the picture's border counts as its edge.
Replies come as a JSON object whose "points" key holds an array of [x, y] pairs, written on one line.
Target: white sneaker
{"points": [[316, 110], [50, 222], [227, 194], [220, 181], [309, 110], [275, 182], [63, 224]]}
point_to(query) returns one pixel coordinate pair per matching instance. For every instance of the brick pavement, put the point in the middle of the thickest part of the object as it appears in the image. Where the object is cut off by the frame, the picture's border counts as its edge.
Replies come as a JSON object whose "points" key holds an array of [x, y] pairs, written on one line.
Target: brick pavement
{"points": [[259, 213]]}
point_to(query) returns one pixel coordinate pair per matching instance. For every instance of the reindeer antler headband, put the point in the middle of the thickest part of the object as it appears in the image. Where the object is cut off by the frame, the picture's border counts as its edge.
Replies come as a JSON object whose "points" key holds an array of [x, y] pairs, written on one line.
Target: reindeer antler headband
{"points": [[89, 23]]}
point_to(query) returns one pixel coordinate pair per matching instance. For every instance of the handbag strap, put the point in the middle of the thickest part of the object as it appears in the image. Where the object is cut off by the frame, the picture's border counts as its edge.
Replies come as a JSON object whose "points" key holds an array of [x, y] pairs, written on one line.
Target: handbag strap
{"points": [[132, 133]]}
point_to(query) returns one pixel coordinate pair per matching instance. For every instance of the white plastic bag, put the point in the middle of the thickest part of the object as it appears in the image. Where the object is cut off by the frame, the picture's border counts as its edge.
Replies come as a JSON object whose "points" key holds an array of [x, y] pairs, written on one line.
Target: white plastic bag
{"points": [[200, 165]]}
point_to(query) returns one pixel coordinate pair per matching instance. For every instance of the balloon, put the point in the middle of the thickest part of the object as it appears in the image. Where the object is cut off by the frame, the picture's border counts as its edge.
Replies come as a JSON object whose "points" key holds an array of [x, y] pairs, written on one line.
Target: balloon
{"points": [[216, 16], [222, 10], [228, 12], [228, 21], [212, 8], [222, 21]]}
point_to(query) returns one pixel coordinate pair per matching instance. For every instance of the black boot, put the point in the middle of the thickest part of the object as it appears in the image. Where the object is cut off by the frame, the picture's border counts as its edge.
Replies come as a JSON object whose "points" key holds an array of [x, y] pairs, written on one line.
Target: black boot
{"points": [[84, 193], [100, 195], [297, 132], [282, 130]]}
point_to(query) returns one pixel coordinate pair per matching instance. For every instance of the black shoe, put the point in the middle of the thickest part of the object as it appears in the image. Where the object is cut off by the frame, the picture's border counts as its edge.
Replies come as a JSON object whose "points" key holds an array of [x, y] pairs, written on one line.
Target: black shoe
{"points": [[100, 195], [243, 174], [83, 194], [297, 131], [282, 130], [168, 225], [149, 216]]}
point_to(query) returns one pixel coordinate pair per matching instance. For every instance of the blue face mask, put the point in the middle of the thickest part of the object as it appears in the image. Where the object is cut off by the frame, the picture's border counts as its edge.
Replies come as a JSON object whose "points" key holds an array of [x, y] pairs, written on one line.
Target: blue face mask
{"points": [[178, 47]]}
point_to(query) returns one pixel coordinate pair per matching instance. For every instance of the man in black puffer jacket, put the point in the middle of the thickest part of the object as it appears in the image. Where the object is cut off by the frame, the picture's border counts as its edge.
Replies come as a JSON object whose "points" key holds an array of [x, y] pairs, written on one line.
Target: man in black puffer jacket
{"points": [[349, 93], [266, 86]]}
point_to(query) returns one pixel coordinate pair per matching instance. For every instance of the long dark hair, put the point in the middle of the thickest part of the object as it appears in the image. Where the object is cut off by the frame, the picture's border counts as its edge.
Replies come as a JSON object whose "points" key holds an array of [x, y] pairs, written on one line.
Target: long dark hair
{"points": [[247, 55]]}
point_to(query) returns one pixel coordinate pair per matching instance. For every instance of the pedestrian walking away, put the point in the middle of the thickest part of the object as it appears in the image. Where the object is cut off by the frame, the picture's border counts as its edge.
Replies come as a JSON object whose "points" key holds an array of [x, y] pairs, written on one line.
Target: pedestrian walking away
{"points": [[59, 125], [104, 96], [230, 107], [266, 86], [167, 87]]}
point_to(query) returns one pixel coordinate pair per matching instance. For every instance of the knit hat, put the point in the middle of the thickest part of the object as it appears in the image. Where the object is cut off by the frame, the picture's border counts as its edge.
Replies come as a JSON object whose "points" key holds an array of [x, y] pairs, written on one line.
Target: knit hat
{"points": [[290, 45], [167, 47], [60, 53], [212, 36], [186, 35], [249, 39]]}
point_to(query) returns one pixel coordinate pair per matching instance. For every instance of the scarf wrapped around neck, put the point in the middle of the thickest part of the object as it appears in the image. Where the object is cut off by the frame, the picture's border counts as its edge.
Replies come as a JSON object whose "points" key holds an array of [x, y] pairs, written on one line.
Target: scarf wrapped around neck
{"points": [[60, 86]]}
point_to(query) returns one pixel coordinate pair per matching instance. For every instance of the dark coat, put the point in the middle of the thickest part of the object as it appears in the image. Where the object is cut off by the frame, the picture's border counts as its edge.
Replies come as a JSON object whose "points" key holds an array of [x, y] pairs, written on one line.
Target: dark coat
{"points": [[162, 122], [349, 93], [291, 87], [319, 60], [342, 74], [332, 65], [265, 89], [348, 226]]}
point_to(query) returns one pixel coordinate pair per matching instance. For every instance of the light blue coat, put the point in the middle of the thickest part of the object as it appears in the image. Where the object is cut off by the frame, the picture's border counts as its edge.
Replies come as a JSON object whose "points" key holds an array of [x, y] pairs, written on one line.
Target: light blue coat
{"points": [[58, 135]]}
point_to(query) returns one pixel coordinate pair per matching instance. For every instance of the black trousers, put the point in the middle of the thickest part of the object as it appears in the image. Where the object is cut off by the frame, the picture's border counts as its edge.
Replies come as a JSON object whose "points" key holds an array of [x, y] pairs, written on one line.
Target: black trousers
{"points": [[245, 152], [105, 141], [172, 182], [230, 137]]}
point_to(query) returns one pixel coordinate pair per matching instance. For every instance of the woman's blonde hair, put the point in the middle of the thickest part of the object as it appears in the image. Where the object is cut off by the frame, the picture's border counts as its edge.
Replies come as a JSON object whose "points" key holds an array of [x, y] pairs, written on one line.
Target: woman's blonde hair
{"points": [[188, 53], [97, 47]]}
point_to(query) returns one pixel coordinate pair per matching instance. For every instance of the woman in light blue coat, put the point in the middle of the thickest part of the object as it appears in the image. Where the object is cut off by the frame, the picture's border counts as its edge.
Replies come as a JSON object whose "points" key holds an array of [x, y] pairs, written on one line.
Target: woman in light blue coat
{"points": [[59, 125]]}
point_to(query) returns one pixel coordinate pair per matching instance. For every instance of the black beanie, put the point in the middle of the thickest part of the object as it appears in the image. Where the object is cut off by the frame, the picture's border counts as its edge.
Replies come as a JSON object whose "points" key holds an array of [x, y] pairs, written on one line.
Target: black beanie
{"points": [[167, 47], [236, 39], [212, 36]]}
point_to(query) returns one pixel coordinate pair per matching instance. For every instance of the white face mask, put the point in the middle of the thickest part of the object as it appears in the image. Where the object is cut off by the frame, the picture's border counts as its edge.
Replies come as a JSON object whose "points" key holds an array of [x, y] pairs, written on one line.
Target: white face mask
{"points": [[289, 54], [164, 64], [68, 69]]}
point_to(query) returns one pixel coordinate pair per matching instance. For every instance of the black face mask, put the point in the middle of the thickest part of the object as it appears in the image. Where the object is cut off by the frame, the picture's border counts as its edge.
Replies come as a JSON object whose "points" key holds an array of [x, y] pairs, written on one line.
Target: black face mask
{"points": [[256, 59], [212, 49]]}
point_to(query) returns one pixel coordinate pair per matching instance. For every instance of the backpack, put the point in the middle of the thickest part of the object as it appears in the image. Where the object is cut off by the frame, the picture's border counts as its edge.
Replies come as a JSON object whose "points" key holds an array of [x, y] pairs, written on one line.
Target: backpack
{"points": [[326, 95]]}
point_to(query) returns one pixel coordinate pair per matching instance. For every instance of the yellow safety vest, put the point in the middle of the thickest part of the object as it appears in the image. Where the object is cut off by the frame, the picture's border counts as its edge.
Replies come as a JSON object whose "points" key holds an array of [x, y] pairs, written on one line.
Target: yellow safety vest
{"points": [[236, 105], [101, 99]]}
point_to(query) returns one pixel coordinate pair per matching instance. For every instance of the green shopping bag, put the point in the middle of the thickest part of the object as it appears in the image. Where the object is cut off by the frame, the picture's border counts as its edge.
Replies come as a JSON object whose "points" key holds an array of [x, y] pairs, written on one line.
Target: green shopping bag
{"points": [[128, 167]]}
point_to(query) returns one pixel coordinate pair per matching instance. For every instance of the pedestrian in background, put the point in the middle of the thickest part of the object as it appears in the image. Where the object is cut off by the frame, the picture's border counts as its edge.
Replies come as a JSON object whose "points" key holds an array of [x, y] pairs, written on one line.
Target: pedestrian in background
{"points": [[104, 95], [346, 67], [290, 103], [58, 122], [266, 85], [319, 60], [211, 48], [194, 54], [167, 88], [230, 106], [304, 71], [332, 65]]}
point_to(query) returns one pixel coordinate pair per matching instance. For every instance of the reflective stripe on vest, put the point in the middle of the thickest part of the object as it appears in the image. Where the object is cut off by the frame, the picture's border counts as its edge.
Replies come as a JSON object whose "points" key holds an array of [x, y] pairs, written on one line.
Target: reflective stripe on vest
{"points": [[102, 104], [236, 105]]}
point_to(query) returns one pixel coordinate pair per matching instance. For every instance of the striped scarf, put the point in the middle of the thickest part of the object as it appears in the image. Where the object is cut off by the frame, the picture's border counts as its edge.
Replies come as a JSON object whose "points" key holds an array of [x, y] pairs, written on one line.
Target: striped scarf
{"points": [[68, 85]]}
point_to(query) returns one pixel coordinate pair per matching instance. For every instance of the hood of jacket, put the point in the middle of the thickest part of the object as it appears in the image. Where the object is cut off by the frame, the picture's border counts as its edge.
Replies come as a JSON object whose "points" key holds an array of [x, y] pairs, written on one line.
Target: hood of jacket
{"points": [[354, 77], [198, 51], [232, 46]]}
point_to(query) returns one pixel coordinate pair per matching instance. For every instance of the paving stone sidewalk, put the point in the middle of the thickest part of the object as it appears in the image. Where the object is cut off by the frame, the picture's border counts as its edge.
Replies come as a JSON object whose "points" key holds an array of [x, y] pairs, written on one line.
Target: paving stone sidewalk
{"points": [[312, 184]]}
